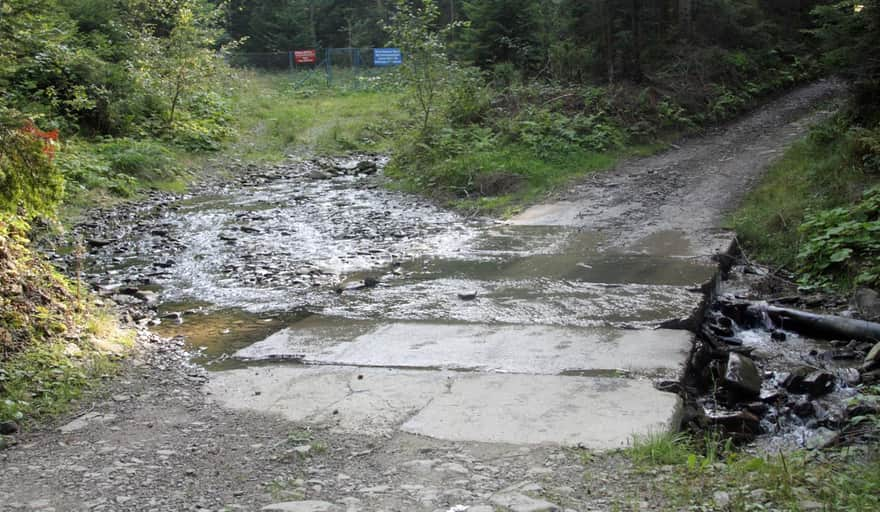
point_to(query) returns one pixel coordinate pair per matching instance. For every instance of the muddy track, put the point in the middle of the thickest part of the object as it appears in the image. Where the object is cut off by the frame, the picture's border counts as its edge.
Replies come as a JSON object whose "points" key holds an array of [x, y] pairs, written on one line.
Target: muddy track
{"points": [[156, 439]]}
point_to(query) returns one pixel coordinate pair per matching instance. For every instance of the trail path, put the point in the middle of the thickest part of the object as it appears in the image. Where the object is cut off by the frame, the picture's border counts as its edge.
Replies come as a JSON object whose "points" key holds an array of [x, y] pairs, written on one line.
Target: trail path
{"points": [[477, 371]]}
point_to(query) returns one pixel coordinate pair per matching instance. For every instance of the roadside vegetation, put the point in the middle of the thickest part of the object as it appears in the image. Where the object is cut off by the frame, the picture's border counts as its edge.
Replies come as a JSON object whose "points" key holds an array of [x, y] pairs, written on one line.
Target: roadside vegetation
{"points": [[710, 473], [817, 213]]}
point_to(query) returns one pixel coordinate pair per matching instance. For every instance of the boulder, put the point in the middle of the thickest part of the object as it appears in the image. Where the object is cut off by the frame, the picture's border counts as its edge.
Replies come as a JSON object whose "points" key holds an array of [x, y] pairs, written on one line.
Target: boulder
{"points": [[741, 376]]}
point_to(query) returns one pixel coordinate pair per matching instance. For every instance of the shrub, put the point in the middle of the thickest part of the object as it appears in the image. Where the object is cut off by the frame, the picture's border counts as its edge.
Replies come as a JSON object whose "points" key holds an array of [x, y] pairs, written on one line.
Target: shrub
{"points": [[27, 177]]}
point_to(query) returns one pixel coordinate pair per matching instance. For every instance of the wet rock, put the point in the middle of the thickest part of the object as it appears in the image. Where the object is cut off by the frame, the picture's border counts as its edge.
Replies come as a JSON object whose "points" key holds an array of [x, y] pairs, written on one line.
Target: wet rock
{"points": [[319, 175], [778, 335], [95, 243], [872, 377], [874, 354], [850, 376], [758, 408], [8, 428], [794, 381], [741, 376], [738, 422], [867, 303], [469, 295], [518, 502], [303, 506], [735, 422], [818, 383], [366, 167], [803, 408]]}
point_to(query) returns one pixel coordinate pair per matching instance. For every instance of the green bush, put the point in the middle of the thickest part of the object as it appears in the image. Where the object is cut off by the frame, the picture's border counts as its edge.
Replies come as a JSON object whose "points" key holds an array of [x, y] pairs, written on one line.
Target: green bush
{"points": [[843, 243], [27, 177]]}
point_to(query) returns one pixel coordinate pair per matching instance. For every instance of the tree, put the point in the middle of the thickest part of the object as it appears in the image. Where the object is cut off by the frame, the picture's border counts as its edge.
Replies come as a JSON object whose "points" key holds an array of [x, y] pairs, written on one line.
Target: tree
{"points": [[426, 68]]}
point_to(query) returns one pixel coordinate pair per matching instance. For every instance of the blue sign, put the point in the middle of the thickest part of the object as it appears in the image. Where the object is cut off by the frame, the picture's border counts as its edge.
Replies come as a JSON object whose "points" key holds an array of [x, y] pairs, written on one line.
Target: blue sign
{"points": [[387, 57]]}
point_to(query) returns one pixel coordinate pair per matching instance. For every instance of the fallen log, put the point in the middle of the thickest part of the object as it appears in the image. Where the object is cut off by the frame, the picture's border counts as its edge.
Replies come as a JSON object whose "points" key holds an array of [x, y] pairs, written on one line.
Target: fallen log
{"points": [[821, 326]]}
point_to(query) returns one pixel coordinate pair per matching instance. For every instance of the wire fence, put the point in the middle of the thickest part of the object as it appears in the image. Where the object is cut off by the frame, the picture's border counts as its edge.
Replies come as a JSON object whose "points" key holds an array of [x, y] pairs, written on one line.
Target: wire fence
{"points": [[340, 67]]}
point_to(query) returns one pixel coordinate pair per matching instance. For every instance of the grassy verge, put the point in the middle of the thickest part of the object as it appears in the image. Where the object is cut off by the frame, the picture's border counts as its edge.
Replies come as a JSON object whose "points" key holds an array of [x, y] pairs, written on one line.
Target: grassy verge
{"points": [[280, 114], [785, 220], [54, 343], [701, 475]]}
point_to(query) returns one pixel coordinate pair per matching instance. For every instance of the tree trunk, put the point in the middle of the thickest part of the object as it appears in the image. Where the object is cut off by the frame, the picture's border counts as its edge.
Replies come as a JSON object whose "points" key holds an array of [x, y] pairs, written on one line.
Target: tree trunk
{"points": [[685, 16], [823, 326], [636, 71]]}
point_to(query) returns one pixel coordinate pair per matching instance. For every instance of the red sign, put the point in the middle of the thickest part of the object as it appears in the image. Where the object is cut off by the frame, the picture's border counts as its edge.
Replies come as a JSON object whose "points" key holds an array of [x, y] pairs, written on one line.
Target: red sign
{"points": [[305, 57]]}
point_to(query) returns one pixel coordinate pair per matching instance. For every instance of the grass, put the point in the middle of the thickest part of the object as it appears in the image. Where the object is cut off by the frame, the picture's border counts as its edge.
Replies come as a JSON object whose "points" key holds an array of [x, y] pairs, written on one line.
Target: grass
{"points": [[814, 174], [845, 480], [277, 115]]}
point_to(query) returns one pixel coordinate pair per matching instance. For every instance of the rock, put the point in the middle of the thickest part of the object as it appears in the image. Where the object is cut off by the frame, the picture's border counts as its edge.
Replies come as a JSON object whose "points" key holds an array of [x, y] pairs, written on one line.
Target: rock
{"points": [[721, 499], [822, 438], [809, 506], [742, 376], [518, 502], [850, 376], [818, 383], [871, 377], [778, 336], [867, 302], [803, 408], [739, 422], [873, 354], [8, 428], [793, 382], [319, 175], [86, 420], [366, 167], [471, 295], [98, 242], [303, 506]]}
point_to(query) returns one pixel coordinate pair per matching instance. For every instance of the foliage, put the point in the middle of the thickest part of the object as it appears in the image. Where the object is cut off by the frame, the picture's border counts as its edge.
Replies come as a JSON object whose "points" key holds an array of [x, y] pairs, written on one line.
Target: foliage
{"points": [[426, 68], [813, 212], [696, 469], [53, 342], [28, 179], [280, 114], [843, 241]]}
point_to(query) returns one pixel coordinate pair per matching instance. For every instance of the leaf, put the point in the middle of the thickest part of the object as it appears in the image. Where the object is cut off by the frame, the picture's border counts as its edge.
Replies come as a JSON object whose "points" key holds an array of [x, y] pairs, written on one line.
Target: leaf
{"points": [[841, 255]]}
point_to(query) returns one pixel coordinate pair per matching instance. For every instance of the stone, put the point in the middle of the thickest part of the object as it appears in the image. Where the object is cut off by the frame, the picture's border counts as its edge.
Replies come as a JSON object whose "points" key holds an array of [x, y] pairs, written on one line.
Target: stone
{"points": [[818, 383], [470, 295], [822, 438], [867, 302], [722, 499], [873, 354], [809, 506], [303, 506], [742, 376], [794, 381], [86, 420], [518, 502], [319, 175], [8, 428], [739, 422], [778, 336]]}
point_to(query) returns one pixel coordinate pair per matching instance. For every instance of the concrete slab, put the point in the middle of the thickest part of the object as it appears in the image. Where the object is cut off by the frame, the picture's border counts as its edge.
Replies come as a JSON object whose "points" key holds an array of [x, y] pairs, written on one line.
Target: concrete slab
{"points": [[598, 413], [362, 400], [532, 349]]}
